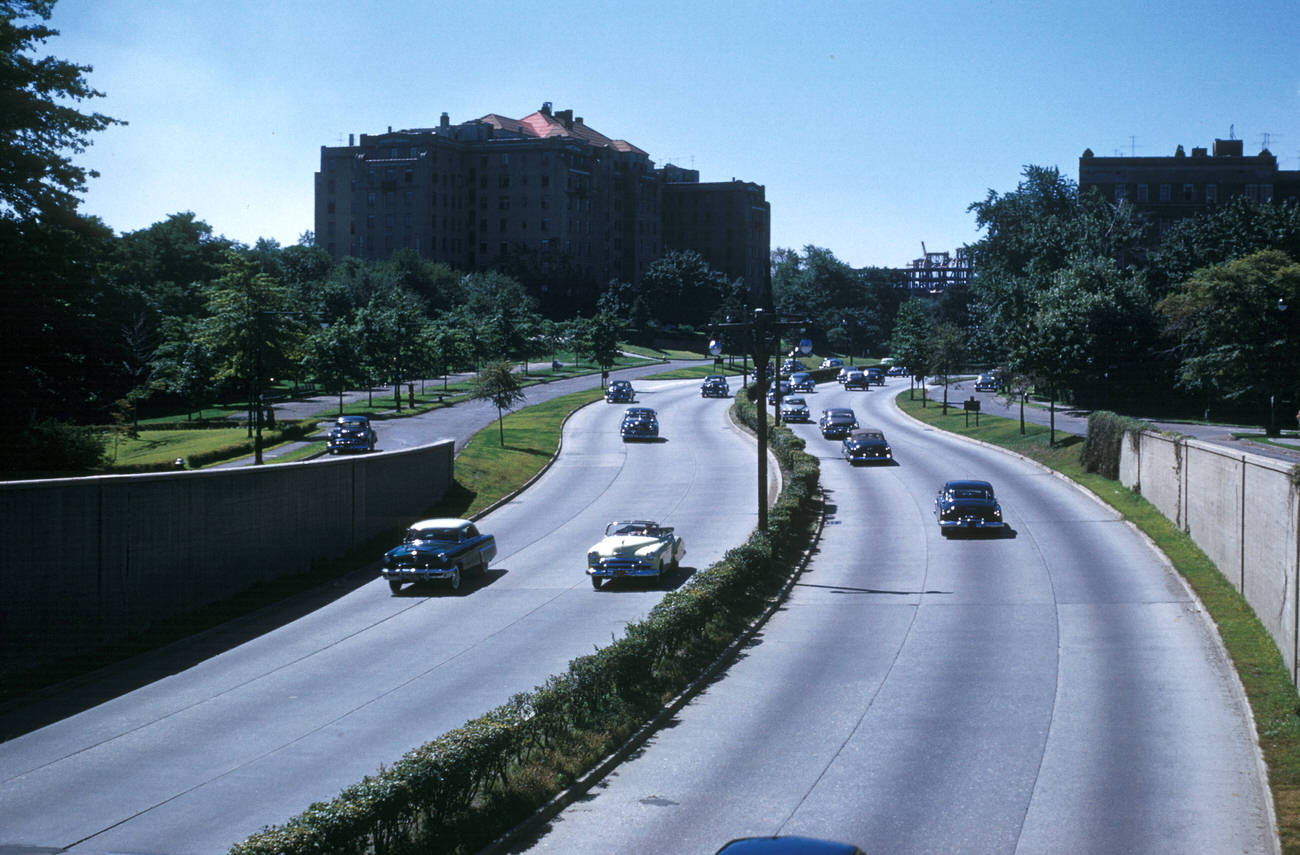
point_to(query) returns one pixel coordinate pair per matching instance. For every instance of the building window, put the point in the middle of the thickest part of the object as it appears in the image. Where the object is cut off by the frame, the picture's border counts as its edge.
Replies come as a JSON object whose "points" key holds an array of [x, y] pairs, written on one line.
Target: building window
{"points": [[503, 248], [370, 199], [1266, 192], [546, 225], [503, 203], [1142, 193], [503, 182], [503, 225], [1166, 192], [1189, 192], [546, 181], [1211, 193]]}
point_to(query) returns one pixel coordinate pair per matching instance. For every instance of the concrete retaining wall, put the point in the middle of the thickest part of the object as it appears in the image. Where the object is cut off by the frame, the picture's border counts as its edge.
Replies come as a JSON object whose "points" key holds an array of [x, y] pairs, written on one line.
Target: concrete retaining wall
{"points": [[87, 561], [1241, 509]]}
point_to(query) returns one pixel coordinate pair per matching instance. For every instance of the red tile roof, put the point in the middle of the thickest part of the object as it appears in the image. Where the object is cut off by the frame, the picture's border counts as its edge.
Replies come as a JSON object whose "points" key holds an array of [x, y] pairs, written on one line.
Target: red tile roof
{"points": [[545, 125]]}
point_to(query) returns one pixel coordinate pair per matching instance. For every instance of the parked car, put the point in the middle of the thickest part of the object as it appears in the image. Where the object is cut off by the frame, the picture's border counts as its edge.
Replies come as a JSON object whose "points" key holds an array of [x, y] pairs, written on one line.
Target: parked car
{"points": [[714, 386], [836, 422], [866, 445], [968, 506], [787, 846], [351, 433], [785, 388], [875, 377], [639, 423], [802, 381], [620, 392], [897, 371], [438, 550], [986, 383], [639, 548], [832, 362], [795, 409], [856, 379]]}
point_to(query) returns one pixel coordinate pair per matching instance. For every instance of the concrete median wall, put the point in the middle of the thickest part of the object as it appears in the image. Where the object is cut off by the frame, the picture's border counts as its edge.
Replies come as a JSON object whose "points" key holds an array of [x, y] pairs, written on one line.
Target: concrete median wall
{"points": [[87, 561], [1241, 509]]}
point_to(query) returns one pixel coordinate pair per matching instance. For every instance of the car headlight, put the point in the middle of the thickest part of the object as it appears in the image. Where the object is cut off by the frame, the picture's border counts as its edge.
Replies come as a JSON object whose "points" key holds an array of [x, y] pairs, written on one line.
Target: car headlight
{"points": [[593, 558]]}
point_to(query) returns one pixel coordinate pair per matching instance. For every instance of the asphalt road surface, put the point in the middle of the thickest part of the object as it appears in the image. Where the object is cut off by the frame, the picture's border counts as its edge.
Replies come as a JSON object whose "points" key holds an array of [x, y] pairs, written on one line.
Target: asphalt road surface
{"points": [[1054, 689], [293, 711]]}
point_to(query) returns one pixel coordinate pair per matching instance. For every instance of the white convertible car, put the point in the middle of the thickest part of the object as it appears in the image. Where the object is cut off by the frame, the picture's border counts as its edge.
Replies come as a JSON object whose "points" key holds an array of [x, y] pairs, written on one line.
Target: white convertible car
{"points": [[634, 548]]}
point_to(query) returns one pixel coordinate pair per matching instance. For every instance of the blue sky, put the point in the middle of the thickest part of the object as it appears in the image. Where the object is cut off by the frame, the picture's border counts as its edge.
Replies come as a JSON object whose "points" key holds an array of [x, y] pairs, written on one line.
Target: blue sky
{"points": [[873, 125]]}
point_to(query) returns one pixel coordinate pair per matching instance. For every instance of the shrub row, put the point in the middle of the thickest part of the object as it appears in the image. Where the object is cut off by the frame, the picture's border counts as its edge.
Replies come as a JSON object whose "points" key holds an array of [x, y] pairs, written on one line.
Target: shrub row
{"points": [[471, 785], [1101, 447], [290, 432]]}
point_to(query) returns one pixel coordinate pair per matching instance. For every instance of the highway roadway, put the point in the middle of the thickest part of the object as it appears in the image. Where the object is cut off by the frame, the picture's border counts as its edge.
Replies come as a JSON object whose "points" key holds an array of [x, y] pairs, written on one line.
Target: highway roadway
{"points": [[1055, 689], [234, 739]]}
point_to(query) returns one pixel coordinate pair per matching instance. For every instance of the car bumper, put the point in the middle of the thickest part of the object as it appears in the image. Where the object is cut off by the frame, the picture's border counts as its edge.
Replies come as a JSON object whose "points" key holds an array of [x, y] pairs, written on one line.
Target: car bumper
{"points": [[621, 569], [417, 574], [347, 446], [971, 522], [869, 458]]}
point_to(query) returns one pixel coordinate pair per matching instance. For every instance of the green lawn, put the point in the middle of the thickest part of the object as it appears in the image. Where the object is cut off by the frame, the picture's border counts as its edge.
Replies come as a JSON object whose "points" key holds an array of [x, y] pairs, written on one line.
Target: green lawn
{"points": [[163, 446], [1273, 697]]}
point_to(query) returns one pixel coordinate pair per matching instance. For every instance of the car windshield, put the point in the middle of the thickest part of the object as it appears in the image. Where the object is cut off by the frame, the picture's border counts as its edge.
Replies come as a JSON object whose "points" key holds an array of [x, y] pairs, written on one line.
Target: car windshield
{"points": [[794, 401], [869, 437], [633, 529], [419, 535]]}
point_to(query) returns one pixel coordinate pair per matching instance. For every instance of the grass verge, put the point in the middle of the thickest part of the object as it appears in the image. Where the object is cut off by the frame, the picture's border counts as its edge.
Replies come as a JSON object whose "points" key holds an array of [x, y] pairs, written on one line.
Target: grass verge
{"points": [[1263, 673]]}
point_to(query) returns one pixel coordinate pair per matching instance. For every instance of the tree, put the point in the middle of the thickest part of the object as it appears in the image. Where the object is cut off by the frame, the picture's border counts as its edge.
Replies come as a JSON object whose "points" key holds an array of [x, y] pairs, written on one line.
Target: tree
{"points": [[497, 383], [1234, 327], [330, 357], [38, 125], [946, 349], [597, 338], [907, 343], [680, 288]]}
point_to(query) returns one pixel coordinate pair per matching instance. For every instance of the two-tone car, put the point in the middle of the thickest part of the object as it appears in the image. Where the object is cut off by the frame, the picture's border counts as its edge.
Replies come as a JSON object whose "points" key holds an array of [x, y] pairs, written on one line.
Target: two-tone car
{"points": [[795, 409], [802, 381], [897, 371], [875, 376], [634, 549], [620, 392], [866, 445], [837, 422], [967, 505], [443, 549], [714, 386], [350, 433], [639, 423], [832, 362]]}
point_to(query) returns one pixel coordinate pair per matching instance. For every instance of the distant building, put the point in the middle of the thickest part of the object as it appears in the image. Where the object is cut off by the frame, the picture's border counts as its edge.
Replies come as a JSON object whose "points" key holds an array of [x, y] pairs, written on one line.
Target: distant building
{"points": [[546, 197], [936, 272], [1168, 189]]}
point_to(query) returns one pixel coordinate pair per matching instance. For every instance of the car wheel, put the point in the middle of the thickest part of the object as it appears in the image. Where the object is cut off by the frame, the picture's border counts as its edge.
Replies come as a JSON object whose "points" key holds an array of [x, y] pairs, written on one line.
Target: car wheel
{"points": [[454, 581], [595, 582], [394, 585]]}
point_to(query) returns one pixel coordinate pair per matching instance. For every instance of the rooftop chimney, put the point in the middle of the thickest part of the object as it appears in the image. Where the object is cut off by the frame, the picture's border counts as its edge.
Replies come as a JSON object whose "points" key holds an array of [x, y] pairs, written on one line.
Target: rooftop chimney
{"points": [[445, 122], [546, 108], [565, 116], [350, 140]]}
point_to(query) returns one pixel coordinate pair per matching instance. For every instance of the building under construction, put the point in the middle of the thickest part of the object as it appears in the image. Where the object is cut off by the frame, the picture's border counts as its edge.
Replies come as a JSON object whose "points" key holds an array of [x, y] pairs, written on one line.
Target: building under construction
{"points": [[936, 272]]}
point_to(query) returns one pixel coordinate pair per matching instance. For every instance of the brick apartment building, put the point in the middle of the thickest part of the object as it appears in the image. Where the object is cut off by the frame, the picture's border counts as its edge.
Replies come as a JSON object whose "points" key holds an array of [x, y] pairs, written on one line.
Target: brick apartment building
{"points": [[546, 196], [1167, 189]]}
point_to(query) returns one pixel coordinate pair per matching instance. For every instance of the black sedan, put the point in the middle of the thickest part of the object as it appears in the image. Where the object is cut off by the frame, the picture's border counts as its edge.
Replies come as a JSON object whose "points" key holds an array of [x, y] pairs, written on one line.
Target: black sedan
{"points": [[350, 433], [967, 506], [620, 392], [714, 386], [866, 446], [639, 423], [837, 422]]}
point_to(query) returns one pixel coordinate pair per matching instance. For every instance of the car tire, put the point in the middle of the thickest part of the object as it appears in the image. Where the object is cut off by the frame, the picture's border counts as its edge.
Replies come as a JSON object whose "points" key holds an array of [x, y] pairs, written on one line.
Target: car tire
{"points": [[595, 582], [394, 585], [454, 581]]}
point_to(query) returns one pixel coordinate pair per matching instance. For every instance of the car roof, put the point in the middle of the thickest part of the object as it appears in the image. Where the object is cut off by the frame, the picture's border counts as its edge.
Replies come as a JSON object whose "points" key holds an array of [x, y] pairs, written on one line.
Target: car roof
{"points": [[353, 419], [969, 485], [440, 522], [787, 846], [794, 399], [639, 411], [867, 433], [840, 411]]}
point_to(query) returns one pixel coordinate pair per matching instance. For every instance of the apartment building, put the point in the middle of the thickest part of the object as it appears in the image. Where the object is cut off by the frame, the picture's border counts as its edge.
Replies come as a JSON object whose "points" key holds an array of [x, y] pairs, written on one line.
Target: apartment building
{"points": [[726, 222], [547, 198]]}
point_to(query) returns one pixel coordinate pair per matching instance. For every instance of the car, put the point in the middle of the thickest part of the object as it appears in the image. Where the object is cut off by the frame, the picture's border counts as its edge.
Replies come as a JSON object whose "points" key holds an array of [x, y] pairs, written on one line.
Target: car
{"points": [[350, 433], [444, 549], [986, 383], [785, 388], [832, 362], [802, 381], [639, 423], [866, 445], [634, 548], [787, 845], [875, 377], [795, 409], [897, 371], [620, 392], [856, 379], [790, 366], [967, 505], [714, 386], [843, 374], [837, 422]]}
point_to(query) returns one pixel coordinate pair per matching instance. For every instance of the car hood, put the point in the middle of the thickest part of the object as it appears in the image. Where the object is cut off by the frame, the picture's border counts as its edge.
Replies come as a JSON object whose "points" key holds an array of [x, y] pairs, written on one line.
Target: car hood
{"points": [[426, 548], [624, 544]]}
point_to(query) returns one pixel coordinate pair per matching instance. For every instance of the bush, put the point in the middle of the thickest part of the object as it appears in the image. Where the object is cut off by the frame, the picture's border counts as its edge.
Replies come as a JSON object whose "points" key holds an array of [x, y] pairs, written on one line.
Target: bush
{"points": [[48, 446], [1101, 447]]}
